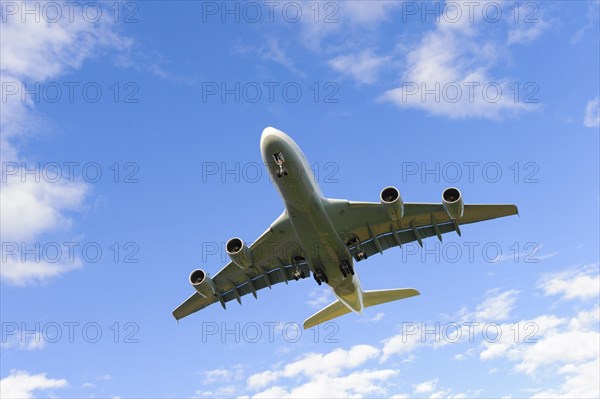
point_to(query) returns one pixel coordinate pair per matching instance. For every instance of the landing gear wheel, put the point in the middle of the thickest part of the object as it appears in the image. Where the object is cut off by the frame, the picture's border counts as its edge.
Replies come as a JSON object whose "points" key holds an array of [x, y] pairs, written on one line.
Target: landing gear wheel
{"points": [[320, 276], [346, 269], [361, 255], [317, 279], [282, 171], [298, 274]]}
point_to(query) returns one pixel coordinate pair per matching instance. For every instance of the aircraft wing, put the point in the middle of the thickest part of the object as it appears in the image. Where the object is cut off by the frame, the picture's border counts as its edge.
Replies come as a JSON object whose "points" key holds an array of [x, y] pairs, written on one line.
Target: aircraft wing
{"points": [[271, 254], [373, 231]]}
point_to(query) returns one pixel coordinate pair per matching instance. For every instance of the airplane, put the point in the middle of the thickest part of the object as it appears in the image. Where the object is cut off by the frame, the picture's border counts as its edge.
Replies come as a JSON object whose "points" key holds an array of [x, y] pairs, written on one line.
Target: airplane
{"points": [[324, 237]]}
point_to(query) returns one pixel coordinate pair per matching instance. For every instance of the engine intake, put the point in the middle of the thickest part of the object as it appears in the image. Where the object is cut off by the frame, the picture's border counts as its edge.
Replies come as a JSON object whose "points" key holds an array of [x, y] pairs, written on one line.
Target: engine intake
{"points": [[239, 253], [392, 202], [202, 283], [453, 203]]}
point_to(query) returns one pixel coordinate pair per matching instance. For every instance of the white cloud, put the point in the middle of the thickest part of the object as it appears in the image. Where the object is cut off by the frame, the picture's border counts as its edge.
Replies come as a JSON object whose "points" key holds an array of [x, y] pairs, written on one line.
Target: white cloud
{"points": [[452, 63], [366, 12], [356, 384], [24, 273], [42, 50], [319, 298], [271, 51], [583, 283], [22, 340], [363, 67], [21, 384], [31, 208], [211, 376], [581, 381], [567, 347], [33, 53], [530, 27], [401, 344], [426, 387], [592, 113], [563, 350], [350, 19], [496, 307], [314, 364], [377, 317]]}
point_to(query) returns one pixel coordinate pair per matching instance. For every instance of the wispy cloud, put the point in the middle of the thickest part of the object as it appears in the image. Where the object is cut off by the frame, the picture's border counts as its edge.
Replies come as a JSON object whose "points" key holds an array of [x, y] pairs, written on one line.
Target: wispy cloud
{"points": [[577, 283], [592, 113], [363, 67], [271, 51], [448, 73]]}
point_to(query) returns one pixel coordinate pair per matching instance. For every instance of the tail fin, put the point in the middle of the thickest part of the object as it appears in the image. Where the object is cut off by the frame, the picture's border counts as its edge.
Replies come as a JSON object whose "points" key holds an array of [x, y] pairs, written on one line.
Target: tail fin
{"points": [[370, 298]]}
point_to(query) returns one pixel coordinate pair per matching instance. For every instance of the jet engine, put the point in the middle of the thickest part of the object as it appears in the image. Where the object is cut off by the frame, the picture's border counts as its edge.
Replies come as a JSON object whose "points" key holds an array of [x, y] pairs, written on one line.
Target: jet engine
{"points": [[392, 203], [239, 253], [202, 283], [453, 203]]}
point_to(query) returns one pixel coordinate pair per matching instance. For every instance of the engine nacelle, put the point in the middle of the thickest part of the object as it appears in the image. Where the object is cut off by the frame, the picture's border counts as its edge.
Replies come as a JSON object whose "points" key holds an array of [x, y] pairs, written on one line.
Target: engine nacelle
{"points": [[392, 202], [453, 203], [202, 283], [239, 253]]}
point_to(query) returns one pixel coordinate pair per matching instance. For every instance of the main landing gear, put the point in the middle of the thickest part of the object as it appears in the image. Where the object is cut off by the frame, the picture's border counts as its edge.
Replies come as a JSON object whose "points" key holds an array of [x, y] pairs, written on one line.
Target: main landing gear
{"points": [[298, 273], [320, 276], [346, 268], [359, 254], [279, 162]]}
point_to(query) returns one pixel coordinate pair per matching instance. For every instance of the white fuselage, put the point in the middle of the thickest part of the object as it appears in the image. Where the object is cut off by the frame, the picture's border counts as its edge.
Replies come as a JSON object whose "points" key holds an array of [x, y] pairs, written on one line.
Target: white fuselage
{"points": [[321, 245]]}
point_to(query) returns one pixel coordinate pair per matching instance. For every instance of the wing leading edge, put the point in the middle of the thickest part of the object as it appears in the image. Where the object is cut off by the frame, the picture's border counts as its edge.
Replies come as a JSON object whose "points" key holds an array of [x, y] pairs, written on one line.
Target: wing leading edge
{"points": [[271, 253], [370, 229]]}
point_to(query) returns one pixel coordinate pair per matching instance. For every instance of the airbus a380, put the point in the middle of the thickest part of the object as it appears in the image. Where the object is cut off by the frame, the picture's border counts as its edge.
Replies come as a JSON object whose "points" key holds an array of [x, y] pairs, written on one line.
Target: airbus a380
{"points": [[324, 237]]}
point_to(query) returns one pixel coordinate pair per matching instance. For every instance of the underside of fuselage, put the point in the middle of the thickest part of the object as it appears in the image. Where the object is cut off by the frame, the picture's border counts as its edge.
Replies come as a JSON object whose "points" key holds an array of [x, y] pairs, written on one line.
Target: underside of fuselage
{"points": [[325, 252]]}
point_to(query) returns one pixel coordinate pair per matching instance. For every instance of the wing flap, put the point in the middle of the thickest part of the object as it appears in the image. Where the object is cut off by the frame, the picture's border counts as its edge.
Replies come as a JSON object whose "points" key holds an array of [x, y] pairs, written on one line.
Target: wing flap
{"points": [[370, 225]]}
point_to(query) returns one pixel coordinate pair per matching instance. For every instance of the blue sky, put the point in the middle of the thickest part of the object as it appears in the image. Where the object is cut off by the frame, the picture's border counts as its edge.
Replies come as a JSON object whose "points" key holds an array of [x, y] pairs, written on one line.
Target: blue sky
{"points": [[152, 116]]}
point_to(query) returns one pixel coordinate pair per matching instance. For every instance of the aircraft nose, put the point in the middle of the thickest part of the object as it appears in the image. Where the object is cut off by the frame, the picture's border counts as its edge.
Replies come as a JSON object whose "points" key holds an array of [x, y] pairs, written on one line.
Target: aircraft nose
{"points": [[269, 136]]}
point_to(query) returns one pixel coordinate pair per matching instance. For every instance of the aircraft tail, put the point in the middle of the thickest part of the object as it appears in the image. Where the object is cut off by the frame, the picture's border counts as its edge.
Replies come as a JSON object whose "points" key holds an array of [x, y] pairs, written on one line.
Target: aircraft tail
{"points": [[376, 297], [370, 298]]}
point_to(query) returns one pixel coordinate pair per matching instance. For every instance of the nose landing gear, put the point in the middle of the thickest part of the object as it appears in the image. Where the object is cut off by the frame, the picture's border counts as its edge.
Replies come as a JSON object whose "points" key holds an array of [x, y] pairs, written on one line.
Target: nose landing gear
{"points": [[279, 162]]}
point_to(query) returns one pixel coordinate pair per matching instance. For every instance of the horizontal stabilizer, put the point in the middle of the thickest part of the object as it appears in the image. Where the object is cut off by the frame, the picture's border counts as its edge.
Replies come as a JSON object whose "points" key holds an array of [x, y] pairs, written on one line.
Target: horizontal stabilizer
{"points": [[370, 298], [376, 297], [331, 311]]}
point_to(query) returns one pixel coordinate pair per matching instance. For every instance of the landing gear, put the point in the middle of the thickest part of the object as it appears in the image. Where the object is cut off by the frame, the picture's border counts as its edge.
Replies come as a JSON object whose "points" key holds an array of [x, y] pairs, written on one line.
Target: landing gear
{"points": [[346, 268], [359, 253], [298, 273], [320, 276], [279, 162], [317, 279], [282, 171]]}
